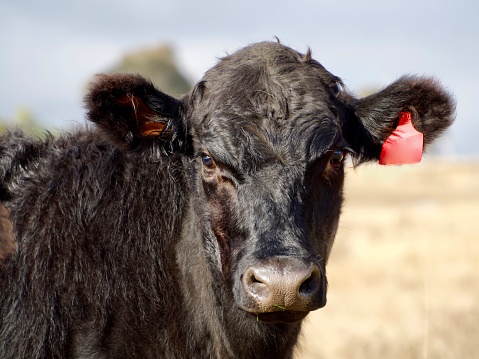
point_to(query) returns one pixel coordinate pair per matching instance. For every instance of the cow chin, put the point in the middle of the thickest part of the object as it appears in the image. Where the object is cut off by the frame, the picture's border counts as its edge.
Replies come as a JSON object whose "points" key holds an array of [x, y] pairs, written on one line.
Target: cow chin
{"points": [[280, 314], [282, 317]]}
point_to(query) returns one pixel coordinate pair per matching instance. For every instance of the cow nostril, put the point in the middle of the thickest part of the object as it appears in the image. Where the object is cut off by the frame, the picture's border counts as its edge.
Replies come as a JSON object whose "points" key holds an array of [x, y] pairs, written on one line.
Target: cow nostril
{"points": [[253, 283], [255, 280], [311, 284]]}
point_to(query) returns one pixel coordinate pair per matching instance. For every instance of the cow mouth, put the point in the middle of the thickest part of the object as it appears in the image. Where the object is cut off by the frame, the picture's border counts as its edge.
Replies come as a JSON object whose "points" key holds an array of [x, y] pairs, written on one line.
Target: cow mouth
{"points": [[282, 316]]}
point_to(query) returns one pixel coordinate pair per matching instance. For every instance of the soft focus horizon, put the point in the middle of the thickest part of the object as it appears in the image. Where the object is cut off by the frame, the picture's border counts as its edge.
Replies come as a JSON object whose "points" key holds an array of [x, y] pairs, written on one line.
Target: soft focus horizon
{"points": [[49, 50]]}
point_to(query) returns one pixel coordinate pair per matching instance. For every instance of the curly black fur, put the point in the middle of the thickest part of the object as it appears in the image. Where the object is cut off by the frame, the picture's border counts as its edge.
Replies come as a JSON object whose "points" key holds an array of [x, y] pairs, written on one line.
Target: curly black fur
{"points": [[7, 243]]}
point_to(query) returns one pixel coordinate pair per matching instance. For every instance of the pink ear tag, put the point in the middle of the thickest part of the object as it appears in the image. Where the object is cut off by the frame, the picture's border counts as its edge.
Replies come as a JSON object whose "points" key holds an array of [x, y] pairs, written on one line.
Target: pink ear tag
{"points": [[404, 145]]}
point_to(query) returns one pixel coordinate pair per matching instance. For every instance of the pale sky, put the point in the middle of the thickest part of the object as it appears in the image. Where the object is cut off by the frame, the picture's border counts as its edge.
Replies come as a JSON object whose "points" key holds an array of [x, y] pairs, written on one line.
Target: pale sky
{"points": [[50, 48]]}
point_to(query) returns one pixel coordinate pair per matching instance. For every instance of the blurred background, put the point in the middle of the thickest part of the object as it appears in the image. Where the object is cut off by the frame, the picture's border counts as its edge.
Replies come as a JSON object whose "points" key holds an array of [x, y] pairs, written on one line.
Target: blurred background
{"points": [[403, 277]]}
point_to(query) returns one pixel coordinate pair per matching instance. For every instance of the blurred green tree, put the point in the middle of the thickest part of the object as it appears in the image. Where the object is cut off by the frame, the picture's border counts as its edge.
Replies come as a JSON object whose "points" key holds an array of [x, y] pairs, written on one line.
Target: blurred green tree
{"points": [[23, 119], [3, 125], [157, 64]]}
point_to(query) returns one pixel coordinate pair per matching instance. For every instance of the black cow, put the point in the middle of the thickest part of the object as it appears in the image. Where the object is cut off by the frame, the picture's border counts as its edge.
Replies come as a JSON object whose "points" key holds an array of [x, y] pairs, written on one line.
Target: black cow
{"points": [[192, 228]]}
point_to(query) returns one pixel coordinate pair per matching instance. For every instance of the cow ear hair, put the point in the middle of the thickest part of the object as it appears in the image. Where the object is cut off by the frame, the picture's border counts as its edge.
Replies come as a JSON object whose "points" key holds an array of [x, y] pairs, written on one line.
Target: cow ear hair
{"points": [[133, 113], [432, 109]]}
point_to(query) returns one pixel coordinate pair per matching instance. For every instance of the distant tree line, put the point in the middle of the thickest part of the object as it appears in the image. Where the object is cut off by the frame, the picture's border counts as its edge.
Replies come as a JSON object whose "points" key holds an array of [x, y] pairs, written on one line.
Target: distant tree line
{"points": [[156, 63], [159, 65], [23, 119]]}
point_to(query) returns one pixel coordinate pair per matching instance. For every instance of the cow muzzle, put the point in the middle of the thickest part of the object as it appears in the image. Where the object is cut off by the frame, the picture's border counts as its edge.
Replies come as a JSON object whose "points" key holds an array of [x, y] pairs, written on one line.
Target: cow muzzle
{"points": [[283, 289]]}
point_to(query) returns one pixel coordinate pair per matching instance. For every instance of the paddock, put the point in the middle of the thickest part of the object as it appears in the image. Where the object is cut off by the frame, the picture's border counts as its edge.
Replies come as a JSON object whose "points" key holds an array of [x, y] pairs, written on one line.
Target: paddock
{"points": [[403, 271]]}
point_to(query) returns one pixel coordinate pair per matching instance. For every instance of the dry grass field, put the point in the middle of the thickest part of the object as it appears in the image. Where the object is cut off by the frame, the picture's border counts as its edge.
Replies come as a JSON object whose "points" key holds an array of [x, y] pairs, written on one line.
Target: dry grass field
{"points": [[404, 271]]}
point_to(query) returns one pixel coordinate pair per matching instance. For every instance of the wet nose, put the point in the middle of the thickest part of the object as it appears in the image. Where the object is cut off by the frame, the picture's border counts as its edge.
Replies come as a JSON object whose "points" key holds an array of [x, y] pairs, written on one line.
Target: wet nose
{"points": [[281, 284]]}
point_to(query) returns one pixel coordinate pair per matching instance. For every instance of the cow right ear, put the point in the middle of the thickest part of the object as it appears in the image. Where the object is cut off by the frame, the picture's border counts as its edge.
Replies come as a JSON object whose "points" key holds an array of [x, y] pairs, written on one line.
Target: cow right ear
{"points": [[395, 124], [133, 113]]}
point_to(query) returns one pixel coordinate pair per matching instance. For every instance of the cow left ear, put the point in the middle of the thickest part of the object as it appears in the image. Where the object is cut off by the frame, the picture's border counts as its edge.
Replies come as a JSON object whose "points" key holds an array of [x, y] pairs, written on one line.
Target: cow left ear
{"points": [[374, 119], [133, 113]]}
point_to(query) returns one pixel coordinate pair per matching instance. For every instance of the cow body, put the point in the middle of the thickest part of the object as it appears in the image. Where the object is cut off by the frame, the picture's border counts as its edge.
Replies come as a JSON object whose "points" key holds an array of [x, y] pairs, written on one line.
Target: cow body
{"points": [[192, 228]]}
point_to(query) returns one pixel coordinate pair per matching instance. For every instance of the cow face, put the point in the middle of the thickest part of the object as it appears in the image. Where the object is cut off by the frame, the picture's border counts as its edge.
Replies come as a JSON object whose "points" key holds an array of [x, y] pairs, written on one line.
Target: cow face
{"points": [[267, 131], [270, 155]]}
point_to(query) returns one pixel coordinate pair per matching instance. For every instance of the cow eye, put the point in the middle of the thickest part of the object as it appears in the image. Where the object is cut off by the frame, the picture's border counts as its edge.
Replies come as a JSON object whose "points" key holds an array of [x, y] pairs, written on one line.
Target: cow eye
{"points": [[337, 157], [207, 161]]}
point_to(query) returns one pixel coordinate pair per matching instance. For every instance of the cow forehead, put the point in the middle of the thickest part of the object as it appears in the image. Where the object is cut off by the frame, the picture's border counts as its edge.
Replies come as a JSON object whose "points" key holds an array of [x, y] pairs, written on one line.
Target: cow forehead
{"points": [[266, 100], [267, 77]]}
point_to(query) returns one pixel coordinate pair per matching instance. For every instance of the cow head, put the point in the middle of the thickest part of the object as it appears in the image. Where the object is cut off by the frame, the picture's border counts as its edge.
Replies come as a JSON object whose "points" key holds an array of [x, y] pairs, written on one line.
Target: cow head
{"points": [[265, 134]]}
